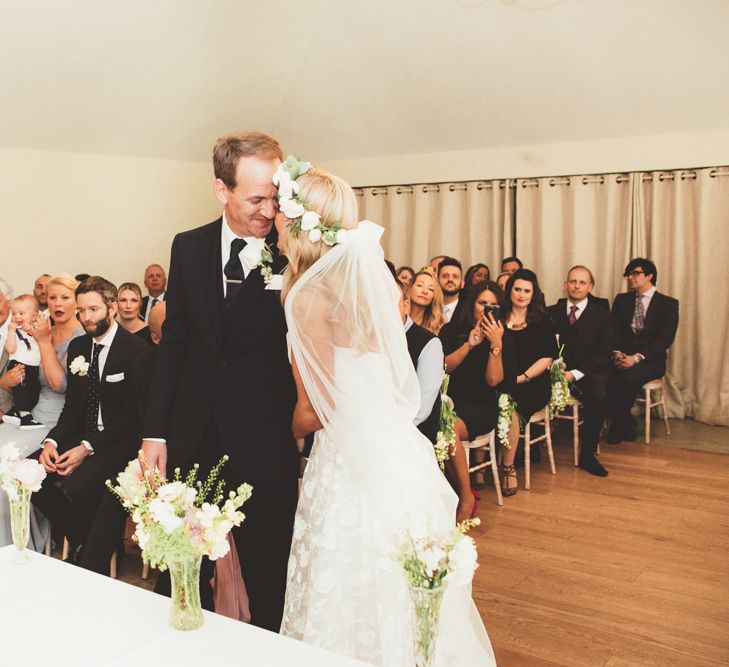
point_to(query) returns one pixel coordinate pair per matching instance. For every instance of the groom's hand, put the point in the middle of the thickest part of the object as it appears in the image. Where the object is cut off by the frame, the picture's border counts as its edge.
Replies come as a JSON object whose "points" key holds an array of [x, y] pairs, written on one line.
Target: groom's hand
{"points": [[153, 455]]}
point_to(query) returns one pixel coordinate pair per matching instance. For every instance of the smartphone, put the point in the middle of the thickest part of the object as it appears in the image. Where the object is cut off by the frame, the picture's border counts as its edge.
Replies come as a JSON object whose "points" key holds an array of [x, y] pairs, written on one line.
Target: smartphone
{"points": [[494, 310]]}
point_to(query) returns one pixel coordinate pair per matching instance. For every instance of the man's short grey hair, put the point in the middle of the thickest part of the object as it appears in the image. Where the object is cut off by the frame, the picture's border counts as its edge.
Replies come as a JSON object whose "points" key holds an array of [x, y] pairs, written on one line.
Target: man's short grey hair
{"points": [[6, 290]]}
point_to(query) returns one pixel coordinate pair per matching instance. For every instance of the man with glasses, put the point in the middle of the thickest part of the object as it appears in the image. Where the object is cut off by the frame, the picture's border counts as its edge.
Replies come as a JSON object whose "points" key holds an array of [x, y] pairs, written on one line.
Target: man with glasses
{"points": [[645, 323]]}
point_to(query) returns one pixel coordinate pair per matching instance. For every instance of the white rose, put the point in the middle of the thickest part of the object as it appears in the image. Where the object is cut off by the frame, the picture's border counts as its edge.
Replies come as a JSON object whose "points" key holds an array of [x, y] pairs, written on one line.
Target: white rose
{"points": [[314, 236], [79, 366], [310, 220], [164, 514], [287, 187], [250, 256], [291, 208], [462, 562], [29, 473], [342, 235]]}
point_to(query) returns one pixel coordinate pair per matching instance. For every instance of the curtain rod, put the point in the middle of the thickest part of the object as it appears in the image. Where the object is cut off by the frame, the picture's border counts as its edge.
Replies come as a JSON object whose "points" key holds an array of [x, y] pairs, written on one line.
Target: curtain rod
{"points": [[684, 174]]}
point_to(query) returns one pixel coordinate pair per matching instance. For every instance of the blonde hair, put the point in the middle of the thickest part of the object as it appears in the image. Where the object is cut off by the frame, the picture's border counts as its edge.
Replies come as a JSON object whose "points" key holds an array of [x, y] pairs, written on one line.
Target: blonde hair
{"points": [[26, 298], [433, 317], [333, 199], [64, 280], [131, 287]]}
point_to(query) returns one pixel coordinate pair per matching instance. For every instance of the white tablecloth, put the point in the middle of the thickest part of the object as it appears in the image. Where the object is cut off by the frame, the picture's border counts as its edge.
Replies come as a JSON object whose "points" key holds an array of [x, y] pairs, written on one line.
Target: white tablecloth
{"points": [[54, 614]]}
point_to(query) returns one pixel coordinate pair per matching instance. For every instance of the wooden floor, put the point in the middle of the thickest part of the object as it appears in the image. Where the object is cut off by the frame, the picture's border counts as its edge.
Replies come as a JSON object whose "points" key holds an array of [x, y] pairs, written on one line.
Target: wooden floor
{"points": [[632, 569]]}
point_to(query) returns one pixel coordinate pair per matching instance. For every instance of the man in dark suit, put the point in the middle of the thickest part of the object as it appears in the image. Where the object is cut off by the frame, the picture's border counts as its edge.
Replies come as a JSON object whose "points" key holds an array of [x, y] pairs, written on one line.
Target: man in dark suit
{"points": [[585, 330], [645, 323], [222, 382], [155, 281], [99, 428]]}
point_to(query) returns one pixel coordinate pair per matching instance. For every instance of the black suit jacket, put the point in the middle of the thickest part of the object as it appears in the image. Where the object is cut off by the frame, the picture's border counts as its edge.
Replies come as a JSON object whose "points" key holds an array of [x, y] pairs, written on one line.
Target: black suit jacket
{"points": [[588, 344], [225, 366], [121, 401], [597, 301], [661, 322], [143, 306]]}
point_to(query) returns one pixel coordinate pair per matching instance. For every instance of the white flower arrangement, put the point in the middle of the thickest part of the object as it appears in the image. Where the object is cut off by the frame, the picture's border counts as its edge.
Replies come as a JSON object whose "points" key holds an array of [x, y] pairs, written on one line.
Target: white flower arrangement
{"points": [[258, 254], [445, 443], [79, 366], [560, 395], [294, 207], [432, 561], [507, 405], [17, 473], [174, 520]]}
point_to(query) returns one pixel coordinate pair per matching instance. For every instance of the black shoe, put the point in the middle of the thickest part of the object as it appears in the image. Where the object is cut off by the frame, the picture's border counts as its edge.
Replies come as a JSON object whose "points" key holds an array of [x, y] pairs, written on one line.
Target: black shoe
{"points": [[12, 417], [75, 554], [592, 465], [614, 435], [27, 423]]}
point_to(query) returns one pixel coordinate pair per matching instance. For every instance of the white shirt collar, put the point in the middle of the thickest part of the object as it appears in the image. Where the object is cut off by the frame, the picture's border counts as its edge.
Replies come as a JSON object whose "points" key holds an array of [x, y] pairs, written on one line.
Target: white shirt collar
{"points": [[581, 305], [161, 297], [108, 338], [648, 294]]}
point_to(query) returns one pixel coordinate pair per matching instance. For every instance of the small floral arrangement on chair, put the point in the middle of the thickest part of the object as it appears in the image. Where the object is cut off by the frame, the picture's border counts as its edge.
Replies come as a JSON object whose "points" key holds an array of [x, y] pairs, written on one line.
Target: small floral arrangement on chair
{"points": [[560, 387], [445, 442], [430, 563], [507, 405]]}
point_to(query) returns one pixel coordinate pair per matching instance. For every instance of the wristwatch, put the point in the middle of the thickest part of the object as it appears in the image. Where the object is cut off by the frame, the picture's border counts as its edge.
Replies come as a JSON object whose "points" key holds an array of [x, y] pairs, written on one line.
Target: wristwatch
{"points": [[496, 351]]}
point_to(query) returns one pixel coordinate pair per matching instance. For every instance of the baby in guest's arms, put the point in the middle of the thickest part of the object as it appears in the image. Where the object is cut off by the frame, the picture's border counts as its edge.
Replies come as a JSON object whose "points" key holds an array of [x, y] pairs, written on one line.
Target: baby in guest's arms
{"points": [[23, 349]]}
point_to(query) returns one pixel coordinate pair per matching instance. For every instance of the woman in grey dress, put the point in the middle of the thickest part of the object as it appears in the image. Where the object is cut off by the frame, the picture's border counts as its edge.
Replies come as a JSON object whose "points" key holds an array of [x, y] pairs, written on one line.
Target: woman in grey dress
{"points": [[53, 343]]}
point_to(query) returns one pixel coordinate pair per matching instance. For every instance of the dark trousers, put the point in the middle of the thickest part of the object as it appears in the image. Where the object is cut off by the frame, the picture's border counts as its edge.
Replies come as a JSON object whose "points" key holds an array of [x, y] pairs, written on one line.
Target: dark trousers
{"points": [[25, 394], [592, 392], [623, 388], [72, 505], [263, 540], [105, 533]]}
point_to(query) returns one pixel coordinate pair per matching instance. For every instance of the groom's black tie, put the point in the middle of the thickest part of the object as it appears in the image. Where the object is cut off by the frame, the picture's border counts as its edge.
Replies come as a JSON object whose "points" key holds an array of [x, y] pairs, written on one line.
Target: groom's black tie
{"points": [[94, 393], [234, 275]]}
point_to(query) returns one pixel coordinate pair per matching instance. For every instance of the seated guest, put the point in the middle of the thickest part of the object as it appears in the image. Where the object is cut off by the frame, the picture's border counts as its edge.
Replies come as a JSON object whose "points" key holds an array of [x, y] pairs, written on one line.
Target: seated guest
{"points": [[511, 264], [108, 526], [405, 275], [477, 354], [53, 343], [426, 353], [22, 350], [80, 277], [155, 280], [8, 379], [645, 323], [502, 279], [585, 331], [39, 292], [98, 431], [450, 279], [477, 273], [130, 300], [435, 261], [531, 331], [426, 301]]}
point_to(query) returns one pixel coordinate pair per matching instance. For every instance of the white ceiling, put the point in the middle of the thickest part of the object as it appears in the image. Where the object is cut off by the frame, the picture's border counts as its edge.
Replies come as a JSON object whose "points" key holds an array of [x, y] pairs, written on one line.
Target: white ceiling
{"points": [[343, 79]]}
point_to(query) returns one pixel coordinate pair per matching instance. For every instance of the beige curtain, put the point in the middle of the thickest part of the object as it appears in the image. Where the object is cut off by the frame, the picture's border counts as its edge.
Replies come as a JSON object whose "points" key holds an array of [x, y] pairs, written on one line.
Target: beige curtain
{"points": [[561, 222], [471, 221], [684, 228]]}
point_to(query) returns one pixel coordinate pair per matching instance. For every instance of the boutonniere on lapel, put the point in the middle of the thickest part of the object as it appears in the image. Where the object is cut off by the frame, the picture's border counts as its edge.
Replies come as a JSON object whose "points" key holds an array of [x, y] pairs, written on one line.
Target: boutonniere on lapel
{"points": [[79, 366], [257, 254]]}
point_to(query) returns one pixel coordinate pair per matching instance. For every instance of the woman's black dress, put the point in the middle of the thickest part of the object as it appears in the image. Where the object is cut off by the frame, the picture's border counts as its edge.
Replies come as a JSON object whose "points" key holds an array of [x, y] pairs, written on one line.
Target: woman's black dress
{"points": [[535, 341], [474, 401]]}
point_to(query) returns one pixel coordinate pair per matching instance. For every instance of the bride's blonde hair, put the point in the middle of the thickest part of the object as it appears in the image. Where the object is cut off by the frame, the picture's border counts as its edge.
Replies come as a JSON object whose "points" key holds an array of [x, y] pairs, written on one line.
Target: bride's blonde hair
{"points": [[333, 199]]}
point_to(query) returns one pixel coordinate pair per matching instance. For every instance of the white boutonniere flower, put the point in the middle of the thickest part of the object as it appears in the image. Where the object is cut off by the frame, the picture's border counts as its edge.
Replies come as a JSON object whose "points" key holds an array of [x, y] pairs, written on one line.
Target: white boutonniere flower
{"points": [[257, 254], [79, 366]]}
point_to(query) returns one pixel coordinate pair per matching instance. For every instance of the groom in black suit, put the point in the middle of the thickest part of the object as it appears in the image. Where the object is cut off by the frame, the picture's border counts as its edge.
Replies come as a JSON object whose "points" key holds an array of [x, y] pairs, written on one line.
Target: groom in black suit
{"points": [[99, 428], [645, 323], [585, 330], [222, 381]]}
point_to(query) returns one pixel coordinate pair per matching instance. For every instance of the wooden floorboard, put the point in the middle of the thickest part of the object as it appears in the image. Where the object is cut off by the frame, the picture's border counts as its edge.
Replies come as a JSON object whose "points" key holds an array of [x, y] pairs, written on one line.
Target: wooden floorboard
{"points": [[628, 570]]}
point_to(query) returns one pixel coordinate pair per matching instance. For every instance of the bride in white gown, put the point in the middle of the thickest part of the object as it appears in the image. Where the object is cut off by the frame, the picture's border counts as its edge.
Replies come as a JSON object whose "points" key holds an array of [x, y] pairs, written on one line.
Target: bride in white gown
{"points": [[372, 477]]}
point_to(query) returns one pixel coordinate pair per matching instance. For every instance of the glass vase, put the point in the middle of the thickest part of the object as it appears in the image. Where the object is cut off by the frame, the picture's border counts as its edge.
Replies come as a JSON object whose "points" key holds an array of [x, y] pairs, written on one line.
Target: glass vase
{"points": [[186, 612], [20, 522], [426, 618]]}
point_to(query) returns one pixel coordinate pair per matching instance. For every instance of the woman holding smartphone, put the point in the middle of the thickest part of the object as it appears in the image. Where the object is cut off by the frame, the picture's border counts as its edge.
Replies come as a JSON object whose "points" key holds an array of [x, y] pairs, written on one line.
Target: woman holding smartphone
{"points": [[477, 357]]}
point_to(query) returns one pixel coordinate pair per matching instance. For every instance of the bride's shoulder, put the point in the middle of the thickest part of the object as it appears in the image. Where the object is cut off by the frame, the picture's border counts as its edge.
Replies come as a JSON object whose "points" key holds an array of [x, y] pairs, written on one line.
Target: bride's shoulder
{"points": [[311, 299]]}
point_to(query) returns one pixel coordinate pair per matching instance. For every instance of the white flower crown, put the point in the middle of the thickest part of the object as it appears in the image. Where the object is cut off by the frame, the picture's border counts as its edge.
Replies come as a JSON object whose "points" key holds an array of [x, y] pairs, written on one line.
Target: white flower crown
{"points": [[294, 206]]}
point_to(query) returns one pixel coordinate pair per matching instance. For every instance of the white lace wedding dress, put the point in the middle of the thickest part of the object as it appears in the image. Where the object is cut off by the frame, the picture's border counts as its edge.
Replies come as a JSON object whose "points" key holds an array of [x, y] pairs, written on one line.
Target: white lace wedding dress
{"points": [[372, 477]]}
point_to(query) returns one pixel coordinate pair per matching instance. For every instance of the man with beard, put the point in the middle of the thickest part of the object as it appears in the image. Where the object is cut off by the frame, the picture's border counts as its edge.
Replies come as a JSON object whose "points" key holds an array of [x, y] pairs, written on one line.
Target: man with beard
{"points": [[99, 429], [450, 278]]}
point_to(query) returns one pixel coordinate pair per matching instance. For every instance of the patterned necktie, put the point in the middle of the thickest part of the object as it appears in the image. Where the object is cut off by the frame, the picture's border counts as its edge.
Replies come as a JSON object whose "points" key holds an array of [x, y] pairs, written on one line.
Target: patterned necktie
{"points": [[572, 317], [155, 301], [234, 275], [94, 393], [638, 315]]}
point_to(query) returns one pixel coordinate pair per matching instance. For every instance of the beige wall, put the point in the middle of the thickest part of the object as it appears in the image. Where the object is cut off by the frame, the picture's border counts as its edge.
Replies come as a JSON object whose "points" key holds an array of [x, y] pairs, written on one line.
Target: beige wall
{"points": [[647, 153], [108, 215]]}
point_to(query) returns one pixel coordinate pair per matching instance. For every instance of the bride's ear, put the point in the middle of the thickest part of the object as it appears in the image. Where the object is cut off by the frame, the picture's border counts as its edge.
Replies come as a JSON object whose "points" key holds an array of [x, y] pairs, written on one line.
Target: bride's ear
{"points": [[221, 192]]}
